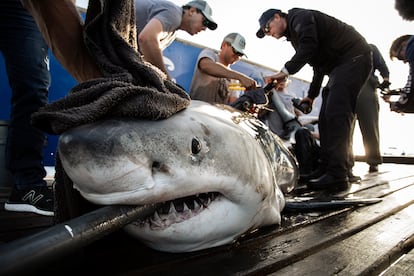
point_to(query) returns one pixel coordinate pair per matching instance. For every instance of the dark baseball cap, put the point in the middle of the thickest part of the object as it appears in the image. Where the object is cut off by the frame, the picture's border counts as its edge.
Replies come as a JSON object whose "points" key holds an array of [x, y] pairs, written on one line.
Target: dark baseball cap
{"points": [[205, 9], [266, 16]]}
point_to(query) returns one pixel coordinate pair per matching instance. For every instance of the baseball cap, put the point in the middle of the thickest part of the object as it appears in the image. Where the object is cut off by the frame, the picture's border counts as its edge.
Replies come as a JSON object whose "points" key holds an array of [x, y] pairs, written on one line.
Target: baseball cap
{"points": [[266, 16], [236, 41], [205, 9]]}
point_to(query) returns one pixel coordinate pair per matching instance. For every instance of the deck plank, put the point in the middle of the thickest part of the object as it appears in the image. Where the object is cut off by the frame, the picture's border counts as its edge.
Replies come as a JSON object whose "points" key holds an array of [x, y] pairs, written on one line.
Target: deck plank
{"points": [[297, 244], [404, 266], [367, 252], [273, 252]]}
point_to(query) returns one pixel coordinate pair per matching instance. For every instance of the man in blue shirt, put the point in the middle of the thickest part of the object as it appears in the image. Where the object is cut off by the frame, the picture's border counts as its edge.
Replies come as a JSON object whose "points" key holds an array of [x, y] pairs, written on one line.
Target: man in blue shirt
{"points": [[402, 49]]}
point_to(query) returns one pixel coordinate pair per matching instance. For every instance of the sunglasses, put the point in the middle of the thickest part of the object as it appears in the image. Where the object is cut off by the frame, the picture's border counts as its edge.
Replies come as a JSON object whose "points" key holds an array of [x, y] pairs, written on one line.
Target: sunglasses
{"points": [[206, 23], [235, 51], [266, 28]]}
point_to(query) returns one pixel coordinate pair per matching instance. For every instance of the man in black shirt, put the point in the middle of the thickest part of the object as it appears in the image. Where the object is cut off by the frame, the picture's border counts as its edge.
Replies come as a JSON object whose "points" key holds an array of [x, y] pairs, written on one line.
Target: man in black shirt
{"points": [[337, 50]]}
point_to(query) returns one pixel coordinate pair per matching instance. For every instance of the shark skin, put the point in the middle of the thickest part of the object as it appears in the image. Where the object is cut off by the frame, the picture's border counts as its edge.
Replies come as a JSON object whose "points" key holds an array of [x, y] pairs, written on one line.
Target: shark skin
{"points": [[219, 172]]}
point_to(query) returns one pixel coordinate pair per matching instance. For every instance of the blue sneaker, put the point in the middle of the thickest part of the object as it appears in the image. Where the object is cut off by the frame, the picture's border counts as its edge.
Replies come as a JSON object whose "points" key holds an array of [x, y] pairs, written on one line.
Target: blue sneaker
{"points": [[37, 200]]}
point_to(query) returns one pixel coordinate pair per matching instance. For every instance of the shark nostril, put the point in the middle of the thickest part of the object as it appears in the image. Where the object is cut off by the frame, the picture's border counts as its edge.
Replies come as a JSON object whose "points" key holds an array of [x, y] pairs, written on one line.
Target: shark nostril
{"points": [[160, 167], [156, 165]]}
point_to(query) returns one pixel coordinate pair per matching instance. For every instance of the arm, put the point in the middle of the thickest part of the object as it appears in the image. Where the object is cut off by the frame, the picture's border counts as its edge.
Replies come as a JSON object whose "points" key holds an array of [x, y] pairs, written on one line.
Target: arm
{"points": [[316, 84], [383, 69], [62, 29], [218, 70], [305, 27], [314, 87], [405, 102], [379, 63], [149, 44]]}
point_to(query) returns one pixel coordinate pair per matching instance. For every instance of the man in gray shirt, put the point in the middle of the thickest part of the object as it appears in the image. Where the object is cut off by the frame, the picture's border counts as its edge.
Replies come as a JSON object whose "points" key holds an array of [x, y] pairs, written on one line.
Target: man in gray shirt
{"points": [[158, 20], [212, 73]]}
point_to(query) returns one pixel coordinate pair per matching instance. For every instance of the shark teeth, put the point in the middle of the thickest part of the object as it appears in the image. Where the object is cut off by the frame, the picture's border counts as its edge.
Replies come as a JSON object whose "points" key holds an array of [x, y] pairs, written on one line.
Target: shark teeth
{"points": [[178, 210]]}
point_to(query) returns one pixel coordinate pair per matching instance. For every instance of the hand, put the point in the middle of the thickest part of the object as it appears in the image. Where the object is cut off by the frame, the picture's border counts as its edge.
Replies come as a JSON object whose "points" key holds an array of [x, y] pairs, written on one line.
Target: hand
{"points": [[394, 107], [307, 100], [386, 98], [315, 135], [279, 77], [384, 85], [248, 83], [281, 85]]}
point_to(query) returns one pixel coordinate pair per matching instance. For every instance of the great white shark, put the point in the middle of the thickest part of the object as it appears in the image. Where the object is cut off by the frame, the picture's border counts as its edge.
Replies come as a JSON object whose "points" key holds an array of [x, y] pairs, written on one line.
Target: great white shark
{"points": [[220, 173]]}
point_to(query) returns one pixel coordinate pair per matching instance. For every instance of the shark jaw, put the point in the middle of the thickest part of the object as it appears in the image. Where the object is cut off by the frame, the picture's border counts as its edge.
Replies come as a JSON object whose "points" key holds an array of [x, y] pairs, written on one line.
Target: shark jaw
{"points": [[197, 225], [179, 210]]}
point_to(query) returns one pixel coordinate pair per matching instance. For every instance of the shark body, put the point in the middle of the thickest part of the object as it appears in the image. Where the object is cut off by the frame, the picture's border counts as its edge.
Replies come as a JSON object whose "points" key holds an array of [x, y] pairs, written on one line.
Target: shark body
{"points": [[219, 172]]}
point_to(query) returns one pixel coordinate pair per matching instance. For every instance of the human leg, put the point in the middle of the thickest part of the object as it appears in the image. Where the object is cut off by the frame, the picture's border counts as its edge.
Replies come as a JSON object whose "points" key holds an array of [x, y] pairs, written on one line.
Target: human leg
{"points": [[367, 110], [27, 66], [322, 125], [306, 151], [345, 82], [335, 140], [351, 158]]}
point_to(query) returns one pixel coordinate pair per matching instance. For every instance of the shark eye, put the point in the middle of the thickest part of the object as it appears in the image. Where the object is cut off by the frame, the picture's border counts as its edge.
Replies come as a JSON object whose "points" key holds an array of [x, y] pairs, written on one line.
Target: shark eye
{"points": [[195, 146]]}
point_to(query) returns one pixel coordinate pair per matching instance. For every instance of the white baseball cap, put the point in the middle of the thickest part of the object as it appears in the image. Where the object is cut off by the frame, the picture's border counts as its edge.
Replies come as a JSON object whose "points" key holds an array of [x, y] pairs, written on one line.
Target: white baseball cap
{"points": [[236, 41]]}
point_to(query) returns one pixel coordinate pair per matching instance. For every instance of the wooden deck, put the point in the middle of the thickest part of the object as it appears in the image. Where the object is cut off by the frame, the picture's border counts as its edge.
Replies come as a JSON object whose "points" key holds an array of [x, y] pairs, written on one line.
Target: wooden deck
{"points": [[359, 240]]}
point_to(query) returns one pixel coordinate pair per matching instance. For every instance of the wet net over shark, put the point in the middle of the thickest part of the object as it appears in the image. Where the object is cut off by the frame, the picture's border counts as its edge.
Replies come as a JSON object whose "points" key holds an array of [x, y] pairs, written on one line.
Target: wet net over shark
{"points": [[219, 172]]}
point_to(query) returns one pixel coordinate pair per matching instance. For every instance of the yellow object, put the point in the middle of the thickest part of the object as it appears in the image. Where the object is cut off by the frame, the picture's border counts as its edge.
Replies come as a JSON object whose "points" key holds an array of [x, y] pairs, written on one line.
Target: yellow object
{"points": [[235, 85], [236, 88]]}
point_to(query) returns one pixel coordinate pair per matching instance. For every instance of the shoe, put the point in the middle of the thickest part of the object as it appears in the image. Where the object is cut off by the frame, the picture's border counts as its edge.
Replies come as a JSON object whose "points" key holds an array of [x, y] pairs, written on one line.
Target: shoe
{"points": [[313, 175], [37, 200], [353, 178], [373, 168], [329, 182]]}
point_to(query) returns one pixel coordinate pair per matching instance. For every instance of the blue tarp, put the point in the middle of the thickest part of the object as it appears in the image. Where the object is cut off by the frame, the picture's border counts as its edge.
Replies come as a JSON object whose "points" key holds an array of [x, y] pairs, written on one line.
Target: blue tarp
{"points": [[180, 58]]}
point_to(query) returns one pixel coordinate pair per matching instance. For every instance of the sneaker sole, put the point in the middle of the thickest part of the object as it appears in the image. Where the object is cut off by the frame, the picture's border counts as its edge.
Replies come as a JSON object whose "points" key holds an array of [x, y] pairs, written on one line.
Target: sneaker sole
{"points": [[27, 208]]}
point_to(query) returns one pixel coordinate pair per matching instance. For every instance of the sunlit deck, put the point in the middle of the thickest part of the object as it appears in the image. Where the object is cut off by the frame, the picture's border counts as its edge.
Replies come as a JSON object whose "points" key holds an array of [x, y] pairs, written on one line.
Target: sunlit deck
{"points": [[362, 240]]}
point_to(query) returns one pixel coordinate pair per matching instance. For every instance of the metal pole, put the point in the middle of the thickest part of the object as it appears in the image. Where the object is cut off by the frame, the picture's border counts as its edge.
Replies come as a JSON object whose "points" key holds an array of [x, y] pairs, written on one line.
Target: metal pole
{"points": [[284, 114], [29, 253]]}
